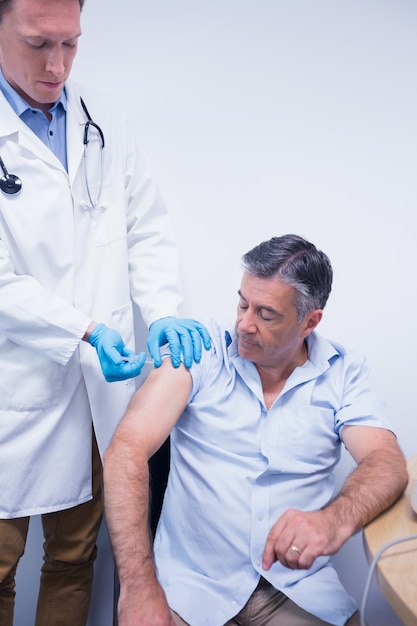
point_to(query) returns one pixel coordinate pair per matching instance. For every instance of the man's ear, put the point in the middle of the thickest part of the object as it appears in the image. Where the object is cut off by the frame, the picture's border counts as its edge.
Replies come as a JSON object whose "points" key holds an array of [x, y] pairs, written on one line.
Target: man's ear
{"points": [[311, 321]]}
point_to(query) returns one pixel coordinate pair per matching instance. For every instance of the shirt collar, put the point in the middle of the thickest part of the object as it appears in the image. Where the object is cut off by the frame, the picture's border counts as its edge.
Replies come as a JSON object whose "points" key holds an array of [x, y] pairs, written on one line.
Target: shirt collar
{"points": [[320, 350], [19, 105]]}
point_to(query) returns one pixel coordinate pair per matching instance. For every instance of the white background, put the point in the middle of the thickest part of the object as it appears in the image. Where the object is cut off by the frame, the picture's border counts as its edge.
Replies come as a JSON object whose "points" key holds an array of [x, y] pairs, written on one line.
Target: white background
{"points": [[263, 117], [267, 117]]}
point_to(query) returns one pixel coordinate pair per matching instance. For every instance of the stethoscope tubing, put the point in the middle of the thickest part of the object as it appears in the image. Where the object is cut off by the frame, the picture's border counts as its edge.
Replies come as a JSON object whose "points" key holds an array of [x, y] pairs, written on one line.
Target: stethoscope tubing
{"points": [[10, 184]]}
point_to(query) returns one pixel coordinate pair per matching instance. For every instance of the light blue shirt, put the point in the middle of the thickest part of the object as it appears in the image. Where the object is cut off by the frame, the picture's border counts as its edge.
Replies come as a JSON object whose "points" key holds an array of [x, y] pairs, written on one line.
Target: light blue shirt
{"points": [[52, 133], [236, 467]]}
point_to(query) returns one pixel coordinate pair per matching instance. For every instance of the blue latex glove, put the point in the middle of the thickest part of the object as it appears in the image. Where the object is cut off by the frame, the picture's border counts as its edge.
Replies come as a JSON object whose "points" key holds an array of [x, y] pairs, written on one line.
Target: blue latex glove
{"points": [[182, 335], [117, 362]]}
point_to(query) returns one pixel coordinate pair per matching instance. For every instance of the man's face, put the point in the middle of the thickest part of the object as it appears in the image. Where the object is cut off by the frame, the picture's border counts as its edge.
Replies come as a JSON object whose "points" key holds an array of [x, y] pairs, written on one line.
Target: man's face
{"points": [[38, 43], [267, 328]]}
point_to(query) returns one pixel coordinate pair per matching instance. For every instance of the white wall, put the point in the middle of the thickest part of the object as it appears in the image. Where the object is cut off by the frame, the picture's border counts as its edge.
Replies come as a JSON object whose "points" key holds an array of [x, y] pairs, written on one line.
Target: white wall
{"points": [[272, 116], [263, 117]]}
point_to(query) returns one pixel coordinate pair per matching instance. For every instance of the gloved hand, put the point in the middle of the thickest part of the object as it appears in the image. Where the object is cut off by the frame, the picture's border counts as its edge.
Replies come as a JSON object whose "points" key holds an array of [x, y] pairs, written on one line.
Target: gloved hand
{"points": [[182, 335], [117, 362]]}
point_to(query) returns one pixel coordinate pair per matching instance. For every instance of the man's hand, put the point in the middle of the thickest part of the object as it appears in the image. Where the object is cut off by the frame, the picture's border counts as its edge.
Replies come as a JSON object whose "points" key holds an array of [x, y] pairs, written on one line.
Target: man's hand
{"points": [[299, 537], [117, 362], [182, 335], [144, 608]]}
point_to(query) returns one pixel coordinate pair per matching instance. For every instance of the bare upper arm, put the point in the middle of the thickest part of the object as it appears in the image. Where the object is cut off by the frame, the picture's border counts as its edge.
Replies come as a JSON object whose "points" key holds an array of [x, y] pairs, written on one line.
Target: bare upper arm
{"points": [[155, 408], [360, 441]]}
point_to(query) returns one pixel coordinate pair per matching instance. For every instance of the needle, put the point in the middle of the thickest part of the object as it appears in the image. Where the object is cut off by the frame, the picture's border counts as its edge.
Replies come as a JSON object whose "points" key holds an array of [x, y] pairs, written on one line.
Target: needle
{"points": [[128, 359]]}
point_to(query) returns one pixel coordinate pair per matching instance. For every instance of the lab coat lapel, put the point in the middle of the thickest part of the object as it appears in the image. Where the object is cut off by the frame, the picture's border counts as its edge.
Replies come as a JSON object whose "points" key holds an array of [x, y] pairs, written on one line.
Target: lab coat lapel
{"points": [[13, 130], [75, 128]]}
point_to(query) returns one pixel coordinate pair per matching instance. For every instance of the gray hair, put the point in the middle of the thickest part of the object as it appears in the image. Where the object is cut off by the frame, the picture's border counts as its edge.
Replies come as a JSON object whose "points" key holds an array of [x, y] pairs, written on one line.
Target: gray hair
{"points": [[296, 262]]}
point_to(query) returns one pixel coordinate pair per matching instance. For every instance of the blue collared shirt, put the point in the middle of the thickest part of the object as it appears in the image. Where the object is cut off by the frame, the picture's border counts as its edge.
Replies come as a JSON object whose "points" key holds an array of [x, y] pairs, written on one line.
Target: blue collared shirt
{"points": [[52, 133], [236, 467]]}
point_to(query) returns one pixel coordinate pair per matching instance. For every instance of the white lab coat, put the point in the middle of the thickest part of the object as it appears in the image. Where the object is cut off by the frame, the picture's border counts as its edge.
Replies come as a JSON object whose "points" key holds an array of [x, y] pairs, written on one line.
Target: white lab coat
{"points": [[63, 264]]}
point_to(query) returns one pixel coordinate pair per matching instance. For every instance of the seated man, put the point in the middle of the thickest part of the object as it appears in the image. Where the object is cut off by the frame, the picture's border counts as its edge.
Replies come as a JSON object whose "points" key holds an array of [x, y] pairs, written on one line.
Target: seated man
{"points": [[250, 519]]}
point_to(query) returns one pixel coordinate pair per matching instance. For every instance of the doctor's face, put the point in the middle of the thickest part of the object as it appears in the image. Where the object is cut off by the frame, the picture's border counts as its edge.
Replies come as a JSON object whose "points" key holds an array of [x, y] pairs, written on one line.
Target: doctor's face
{"points": [[38, 43]]}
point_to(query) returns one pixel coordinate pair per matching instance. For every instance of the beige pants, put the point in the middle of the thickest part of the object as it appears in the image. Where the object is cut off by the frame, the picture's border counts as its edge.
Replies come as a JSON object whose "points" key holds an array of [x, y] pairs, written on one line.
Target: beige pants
{"points": [[269, 607]]}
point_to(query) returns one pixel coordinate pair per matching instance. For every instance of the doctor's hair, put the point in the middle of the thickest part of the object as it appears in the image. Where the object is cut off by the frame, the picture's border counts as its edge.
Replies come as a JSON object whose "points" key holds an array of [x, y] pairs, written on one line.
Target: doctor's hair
{"points": [[296, 262], [6, 5]]}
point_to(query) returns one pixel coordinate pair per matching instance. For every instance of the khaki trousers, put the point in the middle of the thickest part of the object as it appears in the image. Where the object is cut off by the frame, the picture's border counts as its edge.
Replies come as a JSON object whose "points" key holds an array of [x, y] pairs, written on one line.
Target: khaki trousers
{"points": [[69, 554], [269, 607]]}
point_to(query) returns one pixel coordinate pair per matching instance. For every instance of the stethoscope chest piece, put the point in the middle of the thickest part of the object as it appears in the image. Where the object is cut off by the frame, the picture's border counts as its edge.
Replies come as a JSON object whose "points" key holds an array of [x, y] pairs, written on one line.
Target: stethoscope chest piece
{"points": [[9, 183]]}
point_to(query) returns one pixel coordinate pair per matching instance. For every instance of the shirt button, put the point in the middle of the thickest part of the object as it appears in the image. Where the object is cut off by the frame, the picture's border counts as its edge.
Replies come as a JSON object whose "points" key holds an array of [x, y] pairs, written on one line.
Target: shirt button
{"points": [[234, 604], [260, 517]]}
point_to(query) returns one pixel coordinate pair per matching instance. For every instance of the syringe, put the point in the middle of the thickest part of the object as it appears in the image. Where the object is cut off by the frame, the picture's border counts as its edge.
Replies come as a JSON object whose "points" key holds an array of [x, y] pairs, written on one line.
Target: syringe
{"points": [[129, 359]]}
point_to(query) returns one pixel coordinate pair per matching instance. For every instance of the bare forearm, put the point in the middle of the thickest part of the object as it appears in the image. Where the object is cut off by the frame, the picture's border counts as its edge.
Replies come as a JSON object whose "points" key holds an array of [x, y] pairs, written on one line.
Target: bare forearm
{"points": [[126, 492], [149, 418], [374, 485], [142, 601], [377, 482]]}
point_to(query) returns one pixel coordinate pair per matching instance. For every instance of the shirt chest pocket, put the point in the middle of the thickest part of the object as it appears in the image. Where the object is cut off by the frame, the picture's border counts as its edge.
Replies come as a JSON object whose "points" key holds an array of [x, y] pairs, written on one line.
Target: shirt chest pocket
{"points": [[317, 442], [306, 441]]}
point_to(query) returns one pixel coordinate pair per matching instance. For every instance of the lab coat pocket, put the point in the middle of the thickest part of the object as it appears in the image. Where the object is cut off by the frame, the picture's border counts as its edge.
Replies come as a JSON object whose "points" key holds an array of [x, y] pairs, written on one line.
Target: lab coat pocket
{"points": [[109, 215], [28, 381]]}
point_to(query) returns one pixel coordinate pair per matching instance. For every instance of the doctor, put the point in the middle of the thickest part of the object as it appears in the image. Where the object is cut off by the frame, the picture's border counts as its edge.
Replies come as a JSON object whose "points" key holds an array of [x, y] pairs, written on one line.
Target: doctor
{"points": [[84, 235]]}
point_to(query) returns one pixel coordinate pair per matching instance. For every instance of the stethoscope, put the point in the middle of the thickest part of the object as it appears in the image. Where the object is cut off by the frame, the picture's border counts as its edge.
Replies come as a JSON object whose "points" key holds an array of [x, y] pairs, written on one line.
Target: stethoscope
{"points": [[10, 184]]}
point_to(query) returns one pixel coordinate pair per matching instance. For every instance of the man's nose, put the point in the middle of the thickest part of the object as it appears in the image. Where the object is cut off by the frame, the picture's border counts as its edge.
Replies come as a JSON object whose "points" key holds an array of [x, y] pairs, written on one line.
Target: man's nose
{"points": [[247, 321], [55, 62]]}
